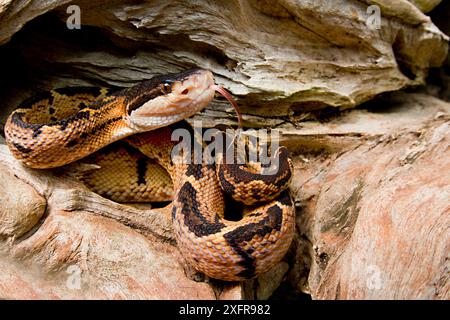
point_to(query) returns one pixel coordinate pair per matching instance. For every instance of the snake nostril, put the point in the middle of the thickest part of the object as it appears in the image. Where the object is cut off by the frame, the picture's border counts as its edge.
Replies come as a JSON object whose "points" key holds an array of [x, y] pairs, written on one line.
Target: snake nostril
{"points": [[185, 91]]}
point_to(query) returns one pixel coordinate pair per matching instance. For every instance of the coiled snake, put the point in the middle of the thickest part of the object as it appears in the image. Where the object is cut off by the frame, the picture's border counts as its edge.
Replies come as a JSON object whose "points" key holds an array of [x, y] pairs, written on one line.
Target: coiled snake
{"points": [[59, 127]]}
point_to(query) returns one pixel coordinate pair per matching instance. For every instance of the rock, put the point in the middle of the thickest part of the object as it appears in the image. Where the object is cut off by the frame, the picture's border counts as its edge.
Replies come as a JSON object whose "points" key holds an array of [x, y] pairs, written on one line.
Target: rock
{"points": [[375, 217], [268, 282], [387, 191], [403, 10], [370, 184], [14, 16], [383, 116], [426, 5], [86, 247], [395, 211], [21, 206], [279, 58], [231, 292], [102, 260]]}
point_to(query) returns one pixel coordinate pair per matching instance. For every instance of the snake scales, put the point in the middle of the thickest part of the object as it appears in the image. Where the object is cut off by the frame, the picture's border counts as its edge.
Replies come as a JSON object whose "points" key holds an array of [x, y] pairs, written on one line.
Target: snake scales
{"points": [[64, 125]]}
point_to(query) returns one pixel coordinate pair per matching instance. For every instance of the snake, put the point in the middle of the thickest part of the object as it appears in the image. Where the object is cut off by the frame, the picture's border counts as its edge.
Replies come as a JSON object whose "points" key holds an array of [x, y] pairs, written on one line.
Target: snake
{"points": [[130, 130]]}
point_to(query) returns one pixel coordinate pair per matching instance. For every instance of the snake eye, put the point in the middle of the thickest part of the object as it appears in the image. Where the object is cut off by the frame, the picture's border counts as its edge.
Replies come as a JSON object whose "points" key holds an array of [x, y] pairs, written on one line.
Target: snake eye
{"points": [[166, 87]]}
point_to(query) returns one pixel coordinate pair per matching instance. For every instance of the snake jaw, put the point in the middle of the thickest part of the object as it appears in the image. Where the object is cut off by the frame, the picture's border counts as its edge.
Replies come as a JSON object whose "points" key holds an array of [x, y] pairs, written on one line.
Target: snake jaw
{"points": [[175, 98], [185, 98]]}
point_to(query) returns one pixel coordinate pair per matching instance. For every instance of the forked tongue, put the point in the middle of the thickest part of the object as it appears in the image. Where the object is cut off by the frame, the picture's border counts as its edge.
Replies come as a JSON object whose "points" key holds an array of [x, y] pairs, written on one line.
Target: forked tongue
{"points": [[228, 96]]}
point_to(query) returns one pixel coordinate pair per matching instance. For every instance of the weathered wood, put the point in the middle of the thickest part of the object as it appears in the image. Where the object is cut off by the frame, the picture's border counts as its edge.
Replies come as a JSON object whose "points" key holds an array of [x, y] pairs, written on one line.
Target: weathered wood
{"points": [[61, 241], [376, 218], [372, 218], [278, 58], [371, 184]]}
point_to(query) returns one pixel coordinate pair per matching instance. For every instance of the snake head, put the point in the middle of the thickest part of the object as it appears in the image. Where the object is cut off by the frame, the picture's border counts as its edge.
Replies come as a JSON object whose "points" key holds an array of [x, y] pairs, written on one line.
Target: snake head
{"points": [[164, 100]]}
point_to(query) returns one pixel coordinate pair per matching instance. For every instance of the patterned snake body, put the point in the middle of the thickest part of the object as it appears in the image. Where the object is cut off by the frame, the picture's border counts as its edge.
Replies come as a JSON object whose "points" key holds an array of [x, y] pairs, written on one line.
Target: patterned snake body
{"points": [[65, 125]]}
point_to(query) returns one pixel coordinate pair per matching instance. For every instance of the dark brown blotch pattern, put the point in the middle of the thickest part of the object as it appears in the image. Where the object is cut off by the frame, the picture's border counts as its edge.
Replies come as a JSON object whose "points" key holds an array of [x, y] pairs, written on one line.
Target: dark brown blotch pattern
{"points": [[193, 217]]}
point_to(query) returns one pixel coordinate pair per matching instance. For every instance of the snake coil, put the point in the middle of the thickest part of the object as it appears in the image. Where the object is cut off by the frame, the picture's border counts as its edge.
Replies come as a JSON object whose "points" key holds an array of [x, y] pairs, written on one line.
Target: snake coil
{"points": [[65, 125]]}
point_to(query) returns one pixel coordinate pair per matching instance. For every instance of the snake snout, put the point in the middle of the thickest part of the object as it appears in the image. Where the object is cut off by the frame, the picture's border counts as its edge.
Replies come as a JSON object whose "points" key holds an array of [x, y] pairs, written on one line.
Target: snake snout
{"points": [[189, 93]]}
